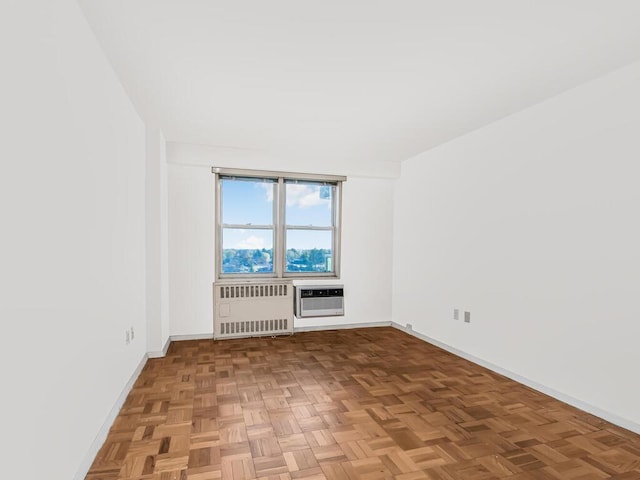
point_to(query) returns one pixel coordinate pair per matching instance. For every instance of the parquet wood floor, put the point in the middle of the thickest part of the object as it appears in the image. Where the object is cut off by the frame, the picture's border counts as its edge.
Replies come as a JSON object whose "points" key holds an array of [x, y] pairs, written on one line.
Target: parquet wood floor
{"points": [[349, 404]]}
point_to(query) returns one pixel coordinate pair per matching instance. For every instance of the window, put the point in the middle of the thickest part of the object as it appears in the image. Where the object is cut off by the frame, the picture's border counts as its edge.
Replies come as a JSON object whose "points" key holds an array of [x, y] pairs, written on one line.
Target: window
{"points": [[277, 225]]}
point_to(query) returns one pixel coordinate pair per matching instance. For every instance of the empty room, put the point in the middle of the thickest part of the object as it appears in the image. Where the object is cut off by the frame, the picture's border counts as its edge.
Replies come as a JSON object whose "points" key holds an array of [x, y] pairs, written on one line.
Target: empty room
{"points": [[320, 240]]}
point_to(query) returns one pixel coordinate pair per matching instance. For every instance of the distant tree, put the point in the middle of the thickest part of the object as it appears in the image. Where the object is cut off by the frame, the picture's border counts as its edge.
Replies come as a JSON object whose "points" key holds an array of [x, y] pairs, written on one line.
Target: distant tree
{"points": [[316, 256]]}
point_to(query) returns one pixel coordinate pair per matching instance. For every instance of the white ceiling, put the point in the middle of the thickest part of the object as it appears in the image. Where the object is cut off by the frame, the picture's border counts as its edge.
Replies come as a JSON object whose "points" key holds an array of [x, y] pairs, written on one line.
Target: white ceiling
{"points": [[353, 81]]}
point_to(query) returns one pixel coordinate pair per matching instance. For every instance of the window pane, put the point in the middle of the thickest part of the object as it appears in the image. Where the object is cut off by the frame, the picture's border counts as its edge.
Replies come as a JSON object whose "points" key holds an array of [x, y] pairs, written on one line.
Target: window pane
{"points": [[309, 204], [247, 201], [247, 250], [309, 251]]}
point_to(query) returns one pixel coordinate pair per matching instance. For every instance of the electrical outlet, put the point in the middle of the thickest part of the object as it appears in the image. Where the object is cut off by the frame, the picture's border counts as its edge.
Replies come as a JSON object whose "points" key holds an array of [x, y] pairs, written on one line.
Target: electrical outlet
{"points": [[132, 334], [456, 314], [467, 317], [126, 337]]}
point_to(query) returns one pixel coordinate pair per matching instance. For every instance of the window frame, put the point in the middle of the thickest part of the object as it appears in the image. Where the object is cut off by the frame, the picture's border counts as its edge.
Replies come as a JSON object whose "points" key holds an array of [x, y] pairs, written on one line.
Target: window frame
{"points": [[279, 222]]}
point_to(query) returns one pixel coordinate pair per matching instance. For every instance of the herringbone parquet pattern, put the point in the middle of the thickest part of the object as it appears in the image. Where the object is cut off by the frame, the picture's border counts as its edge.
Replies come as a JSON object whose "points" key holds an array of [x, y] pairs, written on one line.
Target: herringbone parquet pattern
{"points": [[350, 404]]}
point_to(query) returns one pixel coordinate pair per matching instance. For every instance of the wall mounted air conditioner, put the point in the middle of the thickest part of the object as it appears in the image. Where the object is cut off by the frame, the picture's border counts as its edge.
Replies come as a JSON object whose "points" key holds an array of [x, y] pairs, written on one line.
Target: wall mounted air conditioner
{"points": [[319, 300]]}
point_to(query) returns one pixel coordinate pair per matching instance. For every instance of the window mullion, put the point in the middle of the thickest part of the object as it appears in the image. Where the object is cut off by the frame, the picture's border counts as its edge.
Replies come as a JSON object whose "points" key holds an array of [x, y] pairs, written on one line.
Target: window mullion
{"points": [[279, 213]]}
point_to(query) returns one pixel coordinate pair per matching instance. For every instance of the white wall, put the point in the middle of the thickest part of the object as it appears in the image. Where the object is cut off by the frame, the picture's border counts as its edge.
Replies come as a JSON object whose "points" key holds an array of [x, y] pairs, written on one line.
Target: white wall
{"points": [[366, 246], [157, 241], [72, 248], [264, 159], [367, 217], [191, 254], [531, 224]]}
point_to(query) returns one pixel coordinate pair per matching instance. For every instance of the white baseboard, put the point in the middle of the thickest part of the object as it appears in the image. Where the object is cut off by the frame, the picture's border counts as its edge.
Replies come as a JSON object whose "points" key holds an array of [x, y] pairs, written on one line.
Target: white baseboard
{"points": [[106, 426], [161, 353], [574, 402], [342, 326], [196, 336], [177, 338]]}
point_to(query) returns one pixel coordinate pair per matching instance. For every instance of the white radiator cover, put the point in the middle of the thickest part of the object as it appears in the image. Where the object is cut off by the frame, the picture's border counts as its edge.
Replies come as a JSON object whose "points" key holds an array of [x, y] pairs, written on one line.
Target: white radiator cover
{"points": [[252, 308]]}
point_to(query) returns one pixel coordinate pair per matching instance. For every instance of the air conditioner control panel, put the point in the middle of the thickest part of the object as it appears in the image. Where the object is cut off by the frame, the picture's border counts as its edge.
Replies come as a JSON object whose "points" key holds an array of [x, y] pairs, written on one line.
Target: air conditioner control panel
{"points": [[321, 292]]}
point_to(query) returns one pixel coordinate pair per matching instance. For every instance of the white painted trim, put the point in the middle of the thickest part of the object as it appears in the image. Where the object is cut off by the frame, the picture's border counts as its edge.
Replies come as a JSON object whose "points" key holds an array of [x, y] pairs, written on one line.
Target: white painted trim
{"points": [[274, 174], [177, 338], [343, 326], [101, 436], [161, 353], [574, 402], [196, 336]]}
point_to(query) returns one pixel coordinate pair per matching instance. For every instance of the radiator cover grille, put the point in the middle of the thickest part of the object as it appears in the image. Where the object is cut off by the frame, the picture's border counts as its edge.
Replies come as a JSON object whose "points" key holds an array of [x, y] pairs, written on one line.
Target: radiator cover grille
{"points": [[251, 309]]}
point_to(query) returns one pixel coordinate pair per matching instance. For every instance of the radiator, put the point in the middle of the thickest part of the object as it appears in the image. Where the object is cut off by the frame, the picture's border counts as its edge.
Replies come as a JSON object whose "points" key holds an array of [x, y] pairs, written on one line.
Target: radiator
{"points": [[251, 309]]}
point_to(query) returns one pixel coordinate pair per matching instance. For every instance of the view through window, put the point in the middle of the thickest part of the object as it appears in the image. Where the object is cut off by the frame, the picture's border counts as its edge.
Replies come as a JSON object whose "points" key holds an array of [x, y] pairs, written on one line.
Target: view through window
{"points": [[277, 226]]}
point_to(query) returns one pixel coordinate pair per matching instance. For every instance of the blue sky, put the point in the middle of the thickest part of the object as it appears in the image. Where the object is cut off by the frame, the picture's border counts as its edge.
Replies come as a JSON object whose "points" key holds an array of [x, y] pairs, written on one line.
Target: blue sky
{"points": [[251, 202]]}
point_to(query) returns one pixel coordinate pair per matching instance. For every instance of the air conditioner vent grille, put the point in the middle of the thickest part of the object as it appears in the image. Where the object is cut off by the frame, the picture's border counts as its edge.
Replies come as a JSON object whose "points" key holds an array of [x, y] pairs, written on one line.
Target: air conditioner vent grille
{"points": [[322, 303]]}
